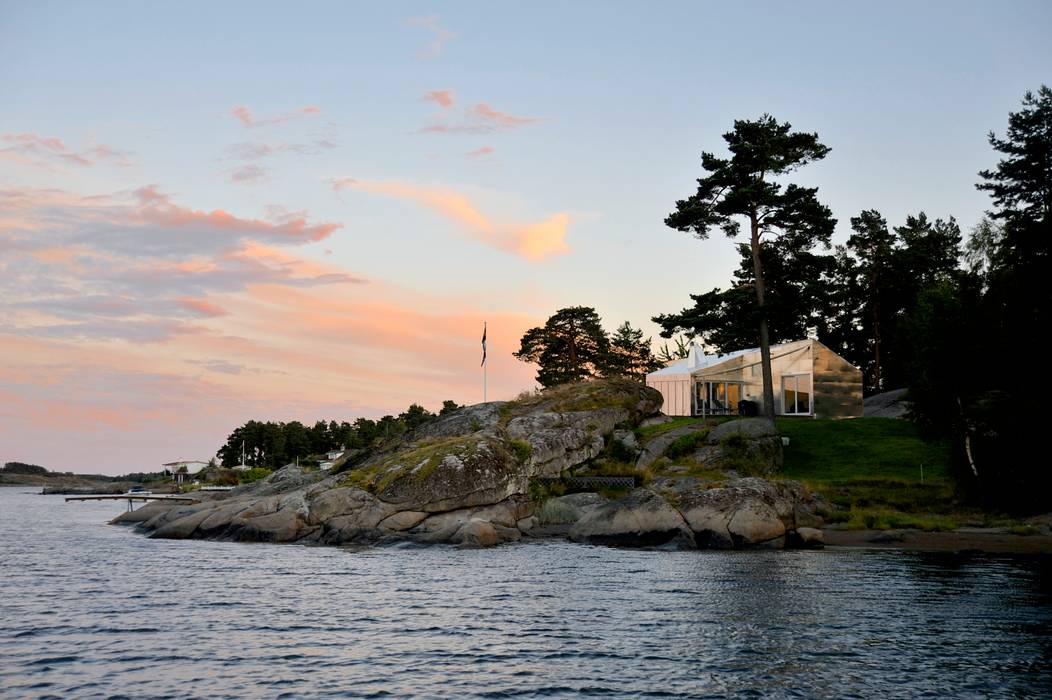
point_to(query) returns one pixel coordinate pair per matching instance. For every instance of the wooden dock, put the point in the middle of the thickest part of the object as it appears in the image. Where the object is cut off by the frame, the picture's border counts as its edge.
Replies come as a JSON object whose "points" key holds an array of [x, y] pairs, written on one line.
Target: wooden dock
{"points": [[132, 497]]}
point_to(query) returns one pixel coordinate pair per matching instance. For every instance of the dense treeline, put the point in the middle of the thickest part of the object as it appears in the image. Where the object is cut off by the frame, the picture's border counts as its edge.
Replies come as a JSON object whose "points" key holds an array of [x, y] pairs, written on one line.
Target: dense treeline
{"points": [[274, 444], [913, 307], [857, 298], [37, 470]]}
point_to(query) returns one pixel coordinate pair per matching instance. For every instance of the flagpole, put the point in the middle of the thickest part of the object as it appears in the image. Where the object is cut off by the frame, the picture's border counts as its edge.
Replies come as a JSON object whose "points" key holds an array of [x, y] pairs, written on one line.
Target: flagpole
{"points": [[485, 370]]}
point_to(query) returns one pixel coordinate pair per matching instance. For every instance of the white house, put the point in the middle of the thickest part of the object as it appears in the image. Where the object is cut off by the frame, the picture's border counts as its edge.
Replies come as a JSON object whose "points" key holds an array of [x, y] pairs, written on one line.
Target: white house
{"points": [[809, 380], [182, 471]]}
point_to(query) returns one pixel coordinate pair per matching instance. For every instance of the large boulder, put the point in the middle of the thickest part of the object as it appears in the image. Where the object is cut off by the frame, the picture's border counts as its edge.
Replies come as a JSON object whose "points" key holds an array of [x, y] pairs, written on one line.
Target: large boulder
{"points": [[656, 447], [448, 474], [732, 517], [640, 519], [463, 421], [746, 446]]}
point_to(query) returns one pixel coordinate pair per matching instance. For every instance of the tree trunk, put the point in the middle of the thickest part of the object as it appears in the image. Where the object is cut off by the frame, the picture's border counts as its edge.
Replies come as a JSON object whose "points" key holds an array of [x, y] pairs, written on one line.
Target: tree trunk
{"points": [[765, 342]]}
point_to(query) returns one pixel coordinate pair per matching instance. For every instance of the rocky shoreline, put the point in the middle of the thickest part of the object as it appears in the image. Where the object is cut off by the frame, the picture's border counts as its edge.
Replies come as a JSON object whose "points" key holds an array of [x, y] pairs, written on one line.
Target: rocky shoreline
{"points": [[472, 479], [492, 474]]}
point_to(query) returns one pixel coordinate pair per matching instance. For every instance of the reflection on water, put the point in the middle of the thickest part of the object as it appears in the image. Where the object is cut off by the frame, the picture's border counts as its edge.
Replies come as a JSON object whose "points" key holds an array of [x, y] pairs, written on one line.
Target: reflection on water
{"points": [[91, 610]]}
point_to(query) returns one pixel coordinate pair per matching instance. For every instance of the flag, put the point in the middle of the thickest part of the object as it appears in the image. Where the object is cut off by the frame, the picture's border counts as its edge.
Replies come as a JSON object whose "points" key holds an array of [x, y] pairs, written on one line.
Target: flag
{"points": [[483, 344]]}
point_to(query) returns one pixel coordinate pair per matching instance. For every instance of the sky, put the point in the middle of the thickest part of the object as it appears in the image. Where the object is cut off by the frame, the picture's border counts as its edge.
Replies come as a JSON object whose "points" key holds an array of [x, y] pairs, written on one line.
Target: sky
{"points": [[213, 212]]}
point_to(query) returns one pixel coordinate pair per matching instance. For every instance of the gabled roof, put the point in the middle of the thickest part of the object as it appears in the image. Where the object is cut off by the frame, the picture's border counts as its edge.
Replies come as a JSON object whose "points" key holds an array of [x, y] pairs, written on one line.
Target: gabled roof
{"points": [[696, 360]]}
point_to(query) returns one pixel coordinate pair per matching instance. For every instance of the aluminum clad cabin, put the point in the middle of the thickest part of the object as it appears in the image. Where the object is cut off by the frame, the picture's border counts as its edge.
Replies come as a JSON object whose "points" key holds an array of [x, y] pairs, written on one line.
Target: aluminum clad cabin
{"points": [[809, 380]]}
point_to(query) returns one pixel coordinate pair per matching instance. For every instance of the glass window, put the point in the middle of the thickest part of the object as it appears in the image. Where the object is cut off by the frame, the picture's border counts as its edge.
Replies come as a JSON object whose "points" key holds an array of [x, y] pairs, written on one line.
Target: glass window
{"points": [[796, 394]]}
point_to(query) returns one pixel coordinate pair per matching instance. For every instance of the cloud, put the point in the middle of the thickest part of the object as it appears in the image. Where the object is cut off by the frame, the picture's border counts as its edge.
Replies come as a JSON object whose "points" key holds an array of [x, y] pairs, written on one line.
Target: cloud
{"points": [[483, 152], [37, 150], [440, 35], [144, 328], [254, 150], [478, 119], [487, 114], [248, 174], [245, 116], [443, 98], [139, 267], [534, 242], [202, 307]]}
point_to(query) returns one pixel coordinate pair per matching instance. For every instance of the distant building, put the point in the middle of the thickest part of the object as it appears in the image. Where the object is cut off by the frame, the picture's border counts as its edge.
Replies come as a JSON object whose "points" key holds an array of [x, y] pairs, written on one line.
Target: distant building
{"points": [[325, 465], [183, 470], [333, 455], [809, 380]]}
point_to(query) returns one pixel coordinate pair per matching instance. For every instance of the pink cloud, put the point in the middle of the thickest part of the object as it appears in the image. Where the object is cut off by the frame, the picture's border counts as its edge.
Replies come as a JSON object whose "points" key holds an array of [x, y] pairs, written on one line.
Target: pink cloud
{"points": [[479, 119], [157, 209], [37, 150], [483, 152], [443, 98], [202, 307], [146, 329], [440, 35], [534, 242], [245, 116], [486, 113]]}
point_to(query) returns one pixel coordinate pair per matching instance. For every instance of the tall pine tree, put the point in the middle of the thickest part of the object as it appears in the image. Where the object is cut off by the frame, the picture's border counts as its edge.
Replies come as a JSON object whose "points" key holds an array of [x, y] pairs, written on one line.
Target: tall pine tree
{"points": [[746, 187]]}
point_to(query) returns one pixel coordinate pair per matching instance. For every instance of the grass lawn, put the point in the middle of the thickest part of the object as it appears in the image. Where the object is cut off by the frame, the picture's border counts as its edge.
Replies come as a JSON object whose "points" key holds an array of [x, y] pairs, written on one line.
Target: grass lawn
{"points": [[871, 469], [861, 448]]}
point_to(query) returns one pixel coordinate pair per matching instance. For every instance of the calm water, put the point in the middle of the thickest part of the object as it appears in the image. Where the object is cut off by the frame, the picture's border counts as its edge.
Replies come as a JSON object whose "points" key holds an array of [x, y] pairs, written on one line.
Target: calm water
{"points": [[90, 610]]}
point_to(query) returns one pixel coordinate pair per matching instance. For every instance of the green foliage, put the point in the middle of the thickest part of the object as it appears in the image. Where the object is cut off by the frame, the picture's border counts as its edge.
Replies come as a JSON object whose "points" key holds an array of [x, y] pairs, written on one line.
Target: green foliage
{"points": [[686, 444], [449, 406], [650, 431], [883, 519], [521, 449], [224, 477], [572, 346], [618, 451], [252, 475], [540, 491], [860, 448], [23, 468], [272, 445], [680, 351], [630, 354], [747, 186], [796, 282], [416, 463]]}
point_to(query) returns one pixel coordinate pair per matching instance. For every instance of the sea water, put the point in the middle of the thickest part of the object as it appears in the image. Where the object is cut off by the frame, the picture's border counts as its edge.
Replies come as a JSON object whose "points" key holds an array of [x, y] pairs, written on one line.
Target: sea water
{"points": [[94, 610]]}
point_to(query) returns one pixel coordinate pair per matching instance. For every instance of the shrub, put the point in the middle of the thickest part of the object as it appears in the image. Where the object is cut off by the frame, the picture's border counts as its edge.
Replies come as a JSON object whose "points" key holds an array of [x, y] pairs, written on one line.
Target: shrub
{"points": [[620, 452], [521, 449], [556, 512], [254, 474], [686, 444]]}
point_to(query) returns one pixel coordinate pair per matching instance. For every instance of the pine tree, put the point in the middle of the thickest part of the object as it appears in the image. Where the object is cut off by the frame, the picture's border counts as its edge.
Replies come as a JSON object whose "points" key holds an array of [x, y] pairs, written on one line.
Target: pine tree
{"points": [[569, 347], [745, 186]]}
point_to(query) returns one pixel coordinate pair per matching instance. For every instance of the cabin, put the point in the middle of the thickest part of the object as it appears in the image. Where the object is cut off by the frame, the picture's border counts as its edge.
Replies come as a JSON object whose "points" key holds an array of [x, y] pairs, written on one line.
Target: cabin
{"points": [[183, 470], [809, 380]]}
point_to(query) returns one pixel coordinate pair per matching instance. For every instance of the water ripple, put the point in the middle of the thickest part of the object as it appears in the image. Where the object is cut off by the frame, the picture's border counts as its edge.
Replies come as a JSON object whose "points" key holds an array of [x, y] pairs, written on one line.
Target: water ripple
{"points": [[88, 610]]}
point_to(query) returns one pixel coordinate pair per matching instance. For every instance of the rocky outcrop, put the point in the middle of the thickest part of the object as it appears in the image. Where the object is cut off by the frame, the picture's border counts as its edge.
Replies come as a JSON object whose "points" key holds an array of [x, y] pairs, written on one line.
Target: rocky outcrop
{"points": [[641, 519], [745, 446], [656, 447], [466, 479]]}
